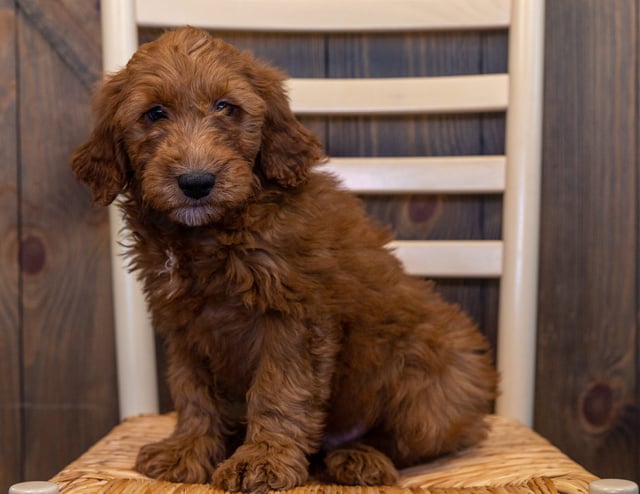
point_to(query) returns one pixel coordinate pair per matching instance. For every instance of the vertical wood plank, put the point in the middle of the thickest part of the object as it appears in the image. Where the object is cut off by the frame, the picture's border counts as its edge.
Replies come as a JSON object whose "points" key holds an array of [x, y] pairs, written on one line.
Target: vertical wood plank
{"points": [[636, 400], [70, 397], [587, 380], [10, 365]]}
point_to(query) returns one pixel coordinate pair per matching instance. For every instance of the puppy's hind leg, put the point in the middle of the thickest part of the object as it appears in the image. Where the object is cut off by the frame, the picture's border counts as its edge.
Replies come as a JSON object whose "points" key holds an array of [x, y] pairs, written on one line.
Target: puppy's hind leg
{"points": [[436, 405], [358, 463]]}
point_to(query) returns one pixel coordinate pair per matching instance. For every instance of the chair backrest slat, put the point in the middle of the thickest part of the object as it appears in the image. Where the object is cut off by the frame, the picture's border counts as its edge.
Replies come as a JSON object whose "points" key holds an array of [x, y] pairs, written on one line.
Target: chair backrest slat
{"points": [[326, 15], [451, 259], [415, 175], [400, 96]]}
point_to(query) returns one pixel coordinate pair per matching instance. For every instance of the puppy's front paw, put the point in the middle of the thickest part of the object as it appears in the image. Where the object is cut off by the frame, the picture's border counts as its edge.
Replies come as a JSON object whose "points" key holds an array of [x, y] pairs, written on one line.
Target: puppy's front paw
{"points": [[188, 459], [259, 468], [360, 464]]}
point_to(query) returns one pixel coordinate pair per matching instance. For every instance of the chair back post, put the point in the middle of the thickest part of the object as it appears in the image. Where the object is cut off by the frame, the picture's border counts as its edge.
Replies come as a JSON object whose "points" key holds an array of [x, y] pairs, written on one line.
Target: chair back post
{"points": [[517, 322], [137, 381]]}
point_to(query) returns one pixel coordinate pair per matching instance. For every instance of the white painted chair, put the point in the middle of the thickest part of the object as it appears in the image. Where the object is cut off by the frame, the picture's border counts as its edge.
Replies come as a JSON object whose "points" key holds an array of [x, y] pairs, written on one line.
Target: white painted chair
{"points": [[516, 175]]}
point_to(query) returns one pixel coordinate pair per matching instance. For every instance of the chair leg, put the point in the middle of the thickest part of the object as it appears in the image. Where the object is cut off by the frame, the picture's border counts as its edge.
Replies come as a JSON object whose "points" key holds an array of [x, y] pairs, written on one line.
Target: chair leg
{"points": [[34, 488], [613, 486]]}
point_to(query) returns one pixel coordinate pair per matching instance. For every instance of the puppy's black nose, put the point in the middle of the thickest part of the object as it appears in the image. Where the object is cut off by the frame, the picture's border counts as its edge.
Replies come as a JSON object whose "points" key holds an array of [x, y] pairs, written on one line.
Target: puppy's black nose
{"points": [[197, 184]]}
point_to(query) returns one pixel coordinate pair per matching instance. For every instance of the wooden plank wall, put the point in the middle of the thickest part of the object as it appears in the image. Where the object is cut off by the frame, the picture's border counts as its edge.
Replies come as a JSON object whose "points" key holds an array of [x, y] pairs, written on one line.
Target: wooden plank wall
{"points": [[57, 375], [588, 392], [60, 344], [68, 358]]}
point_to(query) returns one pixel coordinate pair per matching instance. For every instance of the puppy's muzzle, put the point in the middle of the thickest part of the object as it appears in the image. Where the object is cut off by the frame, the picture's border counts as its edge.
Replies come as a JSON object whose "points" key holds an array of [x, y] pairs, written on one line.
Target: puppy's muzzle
{"points": [[196, 185]]}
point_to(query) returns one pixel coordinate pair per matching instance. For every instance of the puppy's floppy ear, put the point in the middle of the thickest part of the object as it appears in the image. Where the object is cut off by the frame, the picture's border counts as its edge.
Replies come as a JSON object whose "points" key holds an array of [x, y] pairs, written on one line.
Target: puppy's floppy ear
{"points": [[101, 162], [288, 150]]}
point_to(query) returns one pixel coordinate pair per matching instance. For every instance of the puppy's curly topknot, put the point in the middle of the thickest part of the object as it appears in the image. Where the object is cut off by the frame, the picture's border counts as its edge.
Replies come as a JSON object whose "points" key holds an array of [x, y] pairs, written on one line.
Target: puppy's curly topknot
{"points": [[290, 329]]}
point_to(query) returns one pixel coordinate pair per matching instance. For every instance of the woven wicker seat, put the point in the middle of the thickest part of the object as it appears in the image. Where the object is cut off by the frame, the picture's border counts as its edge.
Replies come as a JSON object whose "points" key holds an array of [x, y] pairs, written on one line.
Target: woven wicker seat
{"points": [[513, 459]]}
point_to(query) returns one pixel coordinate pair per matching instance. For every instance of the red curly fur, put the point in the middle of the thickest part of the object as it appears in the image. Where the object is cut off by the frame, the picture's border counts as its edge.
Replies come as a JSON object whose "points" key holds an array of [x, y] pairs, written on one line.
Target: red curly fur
{"points": [[292, 332]]}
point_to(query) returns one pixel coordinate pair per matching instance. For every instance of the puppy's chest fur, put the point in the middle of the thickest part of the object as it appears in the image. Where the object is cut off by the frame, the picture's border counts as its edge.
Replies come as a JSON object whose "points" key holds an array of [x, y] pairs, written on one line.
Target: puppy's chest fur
{"points": [[196, 278], [225, 279], [205, 294]]}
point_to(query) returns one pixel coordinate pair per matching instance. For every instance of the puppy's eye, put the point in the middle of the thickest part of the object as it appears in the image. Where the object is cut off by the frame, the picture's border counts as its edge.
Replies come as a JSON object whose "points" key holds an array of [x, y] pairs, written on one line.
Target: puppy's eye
{"points": [[225, 106], [156, 113]]}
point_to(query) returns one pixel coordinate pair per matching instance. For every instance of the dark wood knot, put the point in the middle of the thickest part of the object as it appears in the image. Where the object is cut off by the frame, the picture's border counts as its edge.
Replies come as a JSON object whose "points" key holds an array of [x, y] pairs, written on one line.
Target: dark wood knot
{"points": [[33, 255], [424, 208], [600, 406]]}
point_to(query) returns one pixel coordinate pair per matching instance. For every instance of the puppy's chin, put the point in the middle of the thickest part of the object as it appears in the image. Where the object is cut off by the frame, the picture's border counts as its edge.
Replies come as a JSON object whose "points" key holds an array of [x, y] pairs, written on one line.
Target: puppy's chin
{"points": [[195, 215]]}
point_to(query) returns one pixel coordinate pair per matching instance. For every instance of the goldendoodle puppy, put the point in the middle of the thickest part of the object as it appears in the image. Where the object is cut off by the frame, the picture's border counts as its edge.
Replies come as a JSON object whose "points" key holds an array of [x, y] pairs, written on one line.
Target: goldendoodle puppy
{"points": [[292, 333]]}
